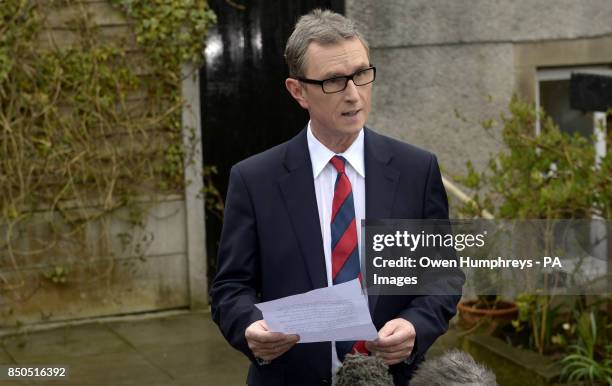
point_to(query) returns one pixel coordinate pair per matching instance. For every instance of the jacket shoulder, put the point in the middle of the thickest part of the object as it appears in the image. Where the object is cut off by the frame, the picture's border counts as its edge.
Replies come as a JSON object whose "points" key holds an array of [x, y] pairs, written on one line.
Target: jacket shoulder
{"points": [[401, 149], [265, 165]]}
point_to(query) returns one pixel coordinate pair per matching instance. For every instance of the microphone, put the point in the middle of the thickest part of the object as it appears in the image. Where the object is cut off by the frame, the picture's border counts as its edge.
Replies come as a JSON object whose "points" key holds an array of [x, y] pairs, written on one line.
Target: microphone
{"points": [[363, 370], [454, 368]]}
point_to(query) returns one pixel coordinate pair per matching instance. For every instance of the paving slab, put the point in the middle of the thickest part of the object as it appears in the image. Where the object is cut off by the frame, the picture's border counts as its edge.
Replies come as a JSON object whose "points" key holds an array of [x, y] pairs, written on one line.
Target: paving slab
{"points": [[17, 383], [212, 379], [64, 343], [188, 347], [182, 349], [185, 349], [188, 328], [121, 368], [5, 359], [220, 362]]}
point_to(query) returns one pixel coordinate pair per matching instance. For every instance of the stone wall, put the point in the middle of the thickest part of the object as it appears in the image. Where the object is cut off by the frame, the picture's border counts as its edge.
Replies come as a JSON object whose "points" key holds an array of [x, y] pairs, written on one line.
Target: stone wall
{"points": [[439, 58], [111, 267]]}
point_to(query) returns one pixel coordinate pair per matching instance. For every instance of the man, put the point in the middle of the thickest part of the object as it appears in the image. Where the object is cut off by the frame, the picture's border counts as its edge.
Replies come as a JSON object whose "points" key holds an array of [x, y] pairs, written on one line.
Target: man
{"points": [[292, 215]]}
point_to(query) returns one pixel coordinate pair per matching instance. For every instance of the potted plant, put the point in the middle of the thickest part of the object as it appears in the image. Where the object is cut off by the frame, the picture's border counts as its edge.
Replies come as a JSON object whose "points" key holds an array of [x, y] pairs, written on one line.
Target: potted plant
{"points": [[550, 175], [488, 309]]}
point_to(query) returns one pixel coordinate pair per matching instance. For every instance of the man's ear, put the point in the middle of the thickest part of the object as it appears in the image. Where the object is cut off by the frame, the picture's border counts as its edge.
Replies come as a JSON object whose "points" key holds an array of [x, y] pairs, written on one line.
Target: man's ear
{"points": [[296, 90]]}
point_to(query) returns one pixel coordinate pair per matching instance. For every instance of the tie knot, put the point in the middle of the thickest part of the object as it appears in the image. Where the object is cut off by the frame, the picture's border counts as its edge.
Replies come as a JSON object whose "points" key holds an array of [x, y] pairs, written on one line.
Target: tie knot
{"points": [[339, 162]]}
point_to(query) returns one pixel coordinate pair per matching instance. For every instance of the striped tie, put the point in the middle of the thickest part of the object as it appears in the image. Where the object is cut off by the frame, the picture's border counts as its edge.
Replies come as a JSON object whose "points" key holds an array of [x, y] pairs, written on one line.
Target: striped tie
{"points": [[345, 254]]}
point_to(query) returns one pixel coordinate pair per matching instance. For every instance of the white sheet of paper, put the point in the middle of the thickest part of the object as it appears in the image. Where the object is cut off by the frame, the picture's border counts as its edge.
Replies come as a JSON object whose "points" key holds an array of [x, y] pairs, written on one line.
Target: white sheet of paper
{"points": [[339, 312]]}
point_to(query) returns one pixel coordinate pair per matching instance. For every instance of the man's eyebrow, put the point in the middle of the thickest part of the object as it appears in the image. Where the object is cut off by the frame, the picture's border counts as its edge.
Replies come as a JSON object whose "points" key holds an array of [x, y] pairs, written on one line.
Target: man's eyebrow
{"points": [[337, 74], [332, 75]]}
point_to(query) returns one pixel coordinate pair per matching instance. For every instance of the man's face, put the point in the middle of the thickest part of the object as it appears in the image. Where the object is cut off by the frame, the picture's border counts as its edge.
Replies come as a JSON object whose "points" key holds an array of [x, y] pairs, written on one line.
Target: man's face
{"points": [[344, 112]]}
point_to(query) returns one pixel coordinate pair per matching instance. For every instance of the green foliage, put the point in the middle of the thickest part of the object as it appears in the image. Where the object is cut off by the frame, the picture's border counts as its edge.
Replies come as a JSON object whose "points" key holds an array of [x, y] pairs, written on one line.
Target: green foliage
{"points": [[57, 274], [171, 31], [546, 175], [487, 302], [585, 363], [550, 175], [581, 366], [86, 126], [536, 313]]}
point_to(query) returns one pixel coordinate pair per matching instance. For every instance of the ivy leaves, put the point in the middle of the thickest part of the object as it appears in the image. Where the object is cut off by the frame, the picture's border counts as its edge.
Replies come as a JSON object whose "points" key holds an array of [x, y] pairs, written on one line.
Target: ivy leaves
{"points": [[88, 122], [171, 31]]}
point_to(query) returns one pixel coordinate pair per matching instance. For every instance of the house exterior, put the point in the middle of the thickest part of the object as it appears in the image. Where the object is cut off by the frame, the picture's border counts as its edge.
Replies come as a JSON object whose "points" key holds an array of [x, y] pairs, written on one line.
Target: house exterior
{"points": [[442, 67], [441, 59]]}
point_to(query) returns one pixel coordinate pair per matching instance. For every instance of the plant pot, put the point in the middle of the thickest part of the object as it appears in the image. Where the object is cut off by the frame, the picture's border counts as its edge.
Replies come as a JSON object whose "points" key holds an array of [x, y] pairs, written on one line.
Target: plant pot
{"points": [[470, 316]]}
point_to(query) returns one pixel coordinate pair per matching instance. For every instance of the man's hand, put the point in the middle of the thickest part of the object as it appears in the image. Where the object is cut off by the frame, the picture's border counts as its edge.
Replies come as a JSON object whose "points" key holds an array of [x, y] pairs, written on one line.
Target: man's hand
{"points": [[265, 344], [395, 341]]}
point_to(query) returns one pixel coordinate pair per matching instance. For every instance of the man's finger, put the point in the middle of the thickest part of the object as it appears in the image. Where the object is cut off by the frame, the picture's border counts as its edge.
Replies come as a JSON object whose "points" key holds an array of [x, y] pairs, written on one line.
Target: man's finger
{"points": [[388, 329], [271, 346], [276, 349], [269, 354], [392, 340], [268, 337], [388, 344]]}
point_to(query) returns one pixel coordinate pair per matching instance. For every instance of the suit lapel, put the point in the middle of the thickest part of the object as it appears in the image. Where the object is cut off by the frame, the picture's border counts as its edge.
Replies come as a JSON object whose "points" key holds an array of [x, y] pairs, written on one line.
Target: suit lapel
{"points": [[298, 192], [297, 188], [381, 185], [381, 178]]}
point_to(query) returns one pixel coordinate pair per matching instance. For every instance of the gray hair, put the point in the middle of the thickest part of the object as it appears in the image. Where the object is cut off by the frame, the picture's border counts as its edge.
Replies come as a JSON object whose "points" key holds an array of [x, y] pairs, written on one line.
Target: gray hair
{"points": [[320, 26], [452, 369]]}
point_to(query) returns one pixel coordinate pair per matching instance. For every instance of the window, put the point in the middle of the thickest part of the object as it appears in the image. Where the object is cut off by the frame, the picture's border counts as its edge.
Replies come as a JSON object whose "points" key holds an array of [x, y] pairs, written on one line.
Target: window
{"points": [[553, 96]]}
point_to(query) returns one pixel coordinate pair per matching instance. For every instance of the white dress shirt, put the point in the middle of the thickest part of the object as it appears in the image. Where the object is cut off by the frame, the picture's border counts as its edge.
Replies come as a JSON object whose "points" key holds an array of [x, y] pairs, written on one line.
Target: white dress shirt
{"points": [[324, 175]]}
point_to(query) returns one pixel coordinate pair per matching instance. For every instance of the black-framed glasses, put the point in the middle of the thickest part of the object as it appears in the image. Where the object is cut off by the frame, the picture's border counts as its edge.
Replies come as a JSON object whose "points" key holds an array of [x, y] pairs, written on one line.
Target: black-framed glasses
{"points": [[338, 83]]}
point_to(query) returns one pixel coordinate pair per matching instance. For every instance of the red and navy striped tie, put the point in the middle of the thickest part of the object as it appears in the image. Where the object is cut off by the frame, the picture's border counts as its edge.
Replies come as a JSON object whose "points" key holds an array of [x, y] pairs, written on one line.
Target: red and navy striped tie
{"points": [[345, 253]]}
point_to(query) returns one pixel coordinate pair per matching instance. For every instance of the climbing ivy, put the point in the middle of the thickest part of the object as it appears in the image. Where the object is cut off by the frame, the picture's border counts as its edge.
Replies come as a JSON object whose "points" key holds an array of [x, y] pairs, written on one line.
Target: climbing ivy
{"points": [[88, 125], [171, 31]]}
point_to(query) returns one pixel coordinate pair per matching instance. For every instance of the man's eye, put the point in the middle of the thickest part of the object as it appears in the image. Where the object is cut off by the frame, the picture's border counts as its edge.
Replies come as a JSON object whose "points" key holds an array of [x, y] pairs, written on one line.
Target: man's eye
{"points": [[335, 82]]}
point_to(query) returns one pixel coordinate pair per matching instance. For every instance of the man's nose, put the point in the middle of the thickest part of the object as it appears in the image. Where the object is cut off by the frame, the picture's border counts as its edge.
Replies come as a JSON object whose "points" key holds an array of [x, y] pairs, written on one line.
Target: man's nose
{"points": [[351, 90]]}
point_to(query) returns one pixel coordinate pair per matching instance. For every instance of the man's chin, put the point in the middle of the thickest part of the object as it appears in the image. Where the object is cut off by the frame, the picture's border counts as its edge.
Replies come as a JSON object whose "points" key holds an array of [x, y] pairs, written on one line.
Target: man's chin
{"points": [[352, 129], [344, 129]]}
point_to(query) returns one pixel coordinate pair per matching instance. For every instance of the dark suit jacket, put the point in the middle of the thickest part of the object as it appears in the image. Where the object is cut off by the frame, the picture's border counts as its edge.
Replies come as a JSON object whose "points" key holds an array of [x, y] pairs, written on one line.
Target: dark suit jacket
{"points": [[271, 247]]}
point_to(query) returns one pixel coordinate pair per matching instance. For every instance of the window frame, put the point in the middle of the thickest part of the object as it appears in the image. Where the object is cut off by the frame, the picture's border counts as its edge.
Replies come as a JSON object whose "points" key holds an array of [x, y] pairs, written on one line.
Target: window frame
{"points": [[565, 73]]}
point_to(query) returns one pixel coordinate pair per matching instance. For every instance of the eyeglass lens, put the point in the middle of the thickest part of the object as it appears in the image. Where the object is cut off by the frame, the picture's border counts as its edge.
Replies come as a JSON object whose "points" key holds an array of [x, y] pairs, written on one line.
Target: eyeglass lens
{"points": [[360, 78]]}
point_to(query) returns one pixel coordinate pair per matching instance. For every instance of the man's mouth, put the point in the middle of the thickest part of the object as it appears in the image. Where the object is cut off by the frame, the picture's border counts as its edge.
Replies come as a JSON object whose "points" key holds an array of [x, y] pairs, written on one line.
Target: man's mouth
{"points": [[350, 113]]}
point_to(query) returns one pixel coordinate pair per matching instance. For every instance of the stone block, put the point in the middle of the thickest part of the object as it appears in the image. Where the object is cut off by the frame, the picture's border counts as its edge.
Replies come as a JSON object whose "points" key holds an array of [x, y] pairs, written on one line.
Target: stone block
{"points": [[419, 91], [395, 23], [99, 288]]}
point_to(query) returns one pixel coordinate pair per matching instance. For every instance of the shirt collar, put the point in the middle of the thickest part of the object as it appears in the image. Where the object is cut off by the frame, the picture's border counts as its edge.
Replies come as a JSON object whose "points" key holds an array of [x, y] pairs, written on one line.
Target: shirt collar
{"points": [[320, 154]]}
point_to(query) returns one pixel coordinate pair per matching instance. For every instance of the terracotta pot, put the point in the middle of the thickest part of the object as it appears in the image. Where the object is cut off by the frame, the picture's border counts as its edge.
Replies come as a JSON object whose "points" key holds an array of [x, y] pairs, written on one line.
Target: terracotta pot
{"points": [[470, 316]]}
